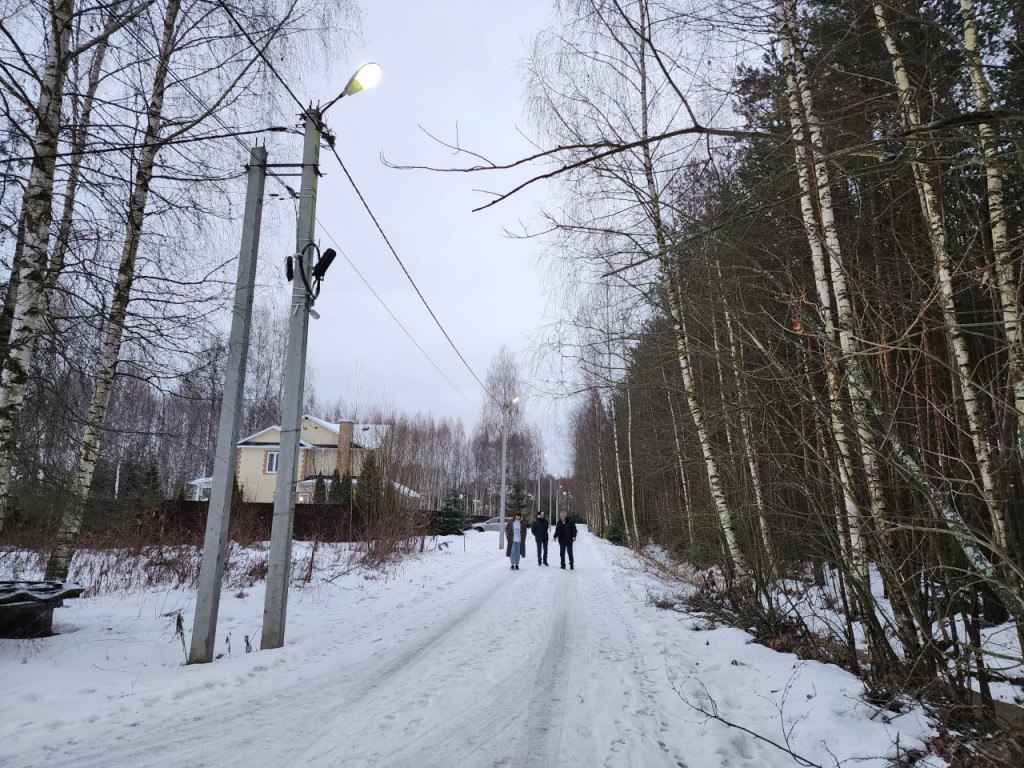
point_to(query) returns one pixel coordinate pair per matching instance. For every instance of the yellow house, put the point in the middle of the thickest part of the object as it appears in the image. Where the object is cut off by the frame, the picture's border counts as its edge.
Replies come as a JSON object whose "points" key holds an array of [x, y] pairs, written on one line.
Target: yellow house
{"points": [[323, 445]]}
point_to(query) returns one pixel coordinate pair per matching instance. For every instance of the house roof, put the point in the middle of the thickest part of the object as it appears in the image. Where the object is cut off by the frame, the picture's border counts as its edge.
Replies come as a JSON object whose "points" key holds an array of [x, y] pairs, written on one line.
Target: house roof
{"points": [[328, 425], [302, 444], [406, 491], [261, 432], [368, 436]]}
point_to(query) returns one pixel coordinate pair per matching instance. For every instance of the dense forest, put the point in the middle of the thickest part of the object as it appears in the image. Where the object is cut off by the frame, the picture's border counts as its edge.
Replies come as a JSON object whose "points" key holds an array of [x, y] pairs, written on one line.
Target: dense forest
{"points": [[799, 350]]}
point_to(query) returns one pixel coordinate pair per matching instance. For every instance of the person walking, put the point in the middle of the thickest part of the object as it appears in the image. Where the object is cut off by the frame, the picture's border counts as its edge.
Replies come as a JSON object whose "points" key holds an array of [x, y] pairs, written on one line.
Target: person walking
{"points": [[515, 539], [539, 528], [565, 535]]}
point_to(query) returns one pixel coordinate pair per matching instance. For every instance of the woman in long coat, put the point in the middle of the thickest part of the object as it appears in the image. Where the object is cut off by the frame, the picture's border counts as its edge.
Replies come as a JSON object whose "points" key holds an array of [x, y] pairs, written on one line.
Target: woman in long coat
{"points": [[515, 531]]}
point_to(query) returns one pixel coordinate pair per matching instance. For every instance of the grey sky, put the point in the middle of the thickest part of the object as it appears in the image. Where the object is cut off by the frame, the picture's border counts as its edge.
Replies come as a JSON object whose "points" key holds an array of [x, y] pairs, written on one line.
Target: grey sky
{"points": [[454, 69]]}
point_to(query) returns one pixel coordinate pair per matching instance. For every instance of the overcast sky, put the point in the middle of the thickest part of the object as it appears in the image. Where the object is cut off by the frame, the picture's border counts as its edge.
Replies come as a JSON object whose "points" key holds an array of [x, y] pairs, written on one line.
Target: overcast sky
{"points": [[453, 68]]}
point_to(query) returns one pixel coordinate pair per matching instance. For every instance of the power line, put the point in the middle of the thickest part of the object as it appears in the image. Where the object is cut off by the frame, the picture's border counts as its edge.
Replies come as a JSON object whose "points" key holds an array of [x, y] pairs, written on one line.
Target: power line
{"points": [[409, 276], [263, 56], [161, 143], [302, 108], [394, 317], [354, 269]]}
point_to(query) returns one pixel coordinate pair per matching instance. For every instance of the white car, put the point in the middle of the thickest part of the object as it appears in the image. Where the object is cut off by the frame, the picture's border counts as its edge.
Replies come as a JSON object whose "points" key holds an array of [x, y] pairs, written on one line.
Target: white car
{"points": [[494, 524]]}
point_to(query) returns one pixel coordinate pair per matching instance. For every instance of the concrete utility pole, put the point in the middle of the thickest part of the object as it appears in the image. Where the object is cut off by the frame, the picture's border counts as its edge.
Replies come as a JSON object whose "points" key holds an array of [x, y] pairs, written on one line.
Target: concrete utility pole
{"points": [[504, 462], [538, 493], [305, 286], [505, 409], [275, 606], [215, 544]]}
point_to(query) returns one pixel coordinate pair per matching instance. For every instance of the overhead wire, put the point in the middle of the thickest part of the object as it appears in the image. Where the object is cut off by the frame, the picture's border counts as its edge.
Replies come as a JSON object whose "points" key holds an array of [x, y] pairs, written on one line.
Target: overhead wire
{"points": [[412, 282], [231, 134], [380, 229], [237, 136], [395, 317], [267, 61]]}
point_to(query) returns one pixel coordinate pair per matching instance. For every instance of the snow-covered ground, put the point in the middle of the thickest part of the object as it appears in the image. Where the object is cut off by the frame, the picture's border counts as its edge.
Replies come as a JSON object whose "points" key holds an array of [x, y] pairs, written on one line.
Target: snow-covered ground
{"points": [[451, 659]]}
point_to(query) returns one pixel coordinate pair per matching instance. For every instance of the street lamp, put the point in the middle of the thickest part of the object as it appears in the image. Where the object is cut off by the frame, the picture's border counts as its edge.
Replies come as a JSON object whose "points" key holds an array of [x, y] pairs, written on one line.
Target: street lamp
{"points": [[505, 408], [365, 77], [303, 296]]}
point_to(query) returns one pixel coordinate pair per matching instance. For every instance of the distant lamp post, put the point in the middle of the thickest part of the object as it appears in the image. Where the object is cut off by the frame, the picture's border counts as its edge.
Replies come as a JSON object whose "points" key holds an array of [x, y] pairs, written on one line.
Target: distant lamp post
{"points": [[305, 276], [505, 408]]}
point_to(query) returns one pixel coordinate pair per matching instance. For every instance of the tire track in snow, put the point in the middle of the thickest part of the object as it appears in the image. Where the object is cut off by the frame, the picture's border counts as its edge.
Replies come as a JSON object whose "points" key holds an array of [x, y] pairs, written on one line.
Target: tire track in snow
{"points": [[472, 723], [535, 667], [235, 723]]}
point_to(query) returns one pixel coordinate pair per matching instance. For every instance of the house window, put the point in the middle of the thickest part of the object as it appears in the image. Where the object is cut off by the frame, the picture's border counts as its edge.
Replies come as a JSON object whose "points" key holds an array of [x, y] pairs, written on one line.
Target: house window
{"points": [[272, 462]]}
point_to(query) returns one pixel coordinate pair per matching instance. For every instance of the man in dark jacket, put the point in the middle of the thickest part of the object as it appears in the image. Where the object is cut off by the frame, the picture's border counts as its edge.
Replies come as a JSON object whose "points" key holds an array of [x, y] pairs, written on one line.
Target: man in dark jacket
{"points": [[565, 535], [539, 529]]}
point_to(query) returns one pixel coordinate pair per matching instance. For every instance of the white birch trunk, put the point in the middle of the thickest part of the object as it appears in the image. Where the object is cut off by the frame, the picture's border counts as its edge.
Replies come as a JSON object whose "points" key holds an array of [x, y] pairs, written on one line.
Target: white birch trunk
{"points": [[805, 119], [632, 473], [725, 517], [931, 209], [673, 300], [679, 462], [605, 521], [71, 522], [1006, 281], [799, 100], [37, 210], [618, 469]]}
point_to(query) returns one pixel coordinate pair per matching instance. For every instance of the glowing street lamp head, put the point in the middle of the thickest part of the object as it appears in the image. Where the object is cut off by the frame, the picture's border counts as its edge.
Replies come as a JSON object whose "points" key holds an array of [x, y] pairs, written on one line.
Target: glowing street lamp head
{"points": [[365, 77]]}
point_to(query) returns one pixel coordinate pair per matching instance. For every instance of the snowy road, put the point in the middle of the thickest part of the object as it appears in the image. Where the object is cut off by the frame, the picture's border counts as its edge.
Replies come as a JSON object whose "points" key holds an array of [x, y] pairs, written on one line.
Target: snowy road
{"points": [[452, 661]]}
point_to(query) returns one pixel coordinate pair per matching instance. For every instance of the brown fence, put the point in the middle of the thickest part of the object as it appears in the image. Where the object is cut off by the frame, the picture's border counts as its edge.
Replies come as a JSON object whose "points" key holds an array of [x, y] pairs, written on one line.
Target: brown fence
{"points": [[185, 521]]}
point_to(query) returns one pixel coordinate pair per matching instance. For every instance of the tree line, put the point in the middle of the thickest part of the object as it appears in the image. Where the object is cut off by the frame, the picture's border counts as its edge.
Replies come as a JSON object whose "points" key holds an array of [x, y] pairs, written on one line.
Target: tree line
{"points": [[121, 126], [794, 231]]}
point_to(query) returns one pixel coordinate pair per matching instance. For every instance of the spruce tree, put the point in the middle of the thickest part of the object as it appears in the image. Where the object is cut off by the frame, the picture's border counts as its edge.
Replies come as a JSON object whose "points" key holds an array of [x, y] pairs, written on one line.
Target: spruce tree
{"points": [[345, 494], [452, 520], [319, 490], [517, 501], [334, 493], [369, 491]]}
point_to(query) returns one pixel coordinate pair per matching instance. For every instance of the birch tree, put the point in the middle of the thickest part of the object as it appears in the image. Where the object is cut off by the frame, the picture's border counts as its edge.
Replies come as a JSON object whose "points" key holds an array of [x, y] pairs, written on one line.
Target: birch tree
{"points": [[37, 215], [188, 32]]}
